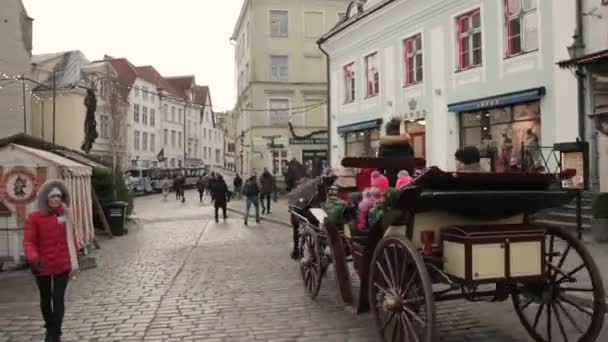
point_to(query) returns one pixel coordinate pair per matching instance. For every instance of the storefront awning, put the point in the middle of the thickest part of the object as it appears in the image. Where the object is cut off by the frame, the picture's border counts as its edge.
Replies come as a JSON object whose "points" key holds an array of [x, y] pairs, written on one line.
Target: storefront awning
{"points": [[360, 126], [498, 101], [590, 59]]}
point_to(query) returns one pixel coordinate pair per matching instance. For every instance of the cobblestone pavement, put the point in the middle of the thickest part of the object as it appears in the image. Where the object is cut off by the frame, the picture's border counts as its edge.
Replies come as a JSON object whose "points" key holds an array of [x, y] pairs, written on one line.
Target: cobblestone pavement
{"points": [[179, 276]]}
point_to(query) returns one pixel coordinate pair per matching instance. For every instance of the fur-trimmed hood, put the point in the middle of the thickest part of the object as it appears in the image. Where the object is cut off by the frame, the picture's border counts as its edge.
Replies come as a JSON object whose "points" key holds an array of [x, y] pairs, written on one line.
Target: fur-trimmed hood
{"points": [[44, 191]]}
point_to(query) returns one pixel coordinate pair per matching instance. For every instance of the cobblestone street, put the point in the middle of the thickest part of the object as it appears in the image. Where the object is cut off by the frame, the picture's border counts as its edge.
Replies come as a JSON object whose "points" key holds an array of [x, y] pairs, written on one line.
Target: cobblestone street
{"points": [[179, 276]]}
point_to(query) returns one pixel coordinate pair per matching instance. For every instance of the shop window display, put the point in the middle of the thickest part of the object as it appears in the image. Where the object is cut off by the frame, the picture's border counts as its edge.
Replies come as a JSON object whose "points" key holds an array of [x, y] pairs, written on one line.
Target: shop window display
{"points": [[500, 132], [362, 144]]}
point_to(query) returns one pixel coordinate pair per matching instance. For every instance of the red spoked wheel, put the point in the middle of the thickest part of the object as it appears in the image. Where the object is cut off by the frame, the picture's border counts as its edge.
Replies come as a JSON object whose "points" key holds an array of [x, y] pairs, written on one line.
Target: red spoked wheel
{"points": [[400, 292]]}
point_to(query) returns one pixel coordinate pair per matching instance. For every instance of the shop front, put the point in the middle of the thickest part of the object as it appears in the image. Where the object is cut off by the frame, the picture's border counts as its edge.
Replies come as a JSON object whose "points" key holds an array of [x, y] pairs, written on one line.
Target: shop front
{"points": [[313, 152], [506, 128], [417, 132], [361, 139]]}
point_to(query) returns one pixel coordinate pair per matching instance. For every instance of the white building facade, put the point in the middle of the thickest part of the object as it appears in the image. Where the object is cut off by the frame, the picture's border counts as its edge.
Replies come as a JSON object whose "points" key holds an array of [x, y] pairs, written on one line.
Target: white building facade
{"points": [[474, 72]]}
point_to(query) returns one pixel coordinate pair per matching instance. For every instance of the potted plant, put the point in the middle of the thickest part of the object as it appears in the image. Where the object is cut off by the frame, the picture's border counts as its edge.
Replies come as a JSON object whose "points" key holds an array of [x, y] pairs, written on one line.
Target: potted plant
{"points": [[599, 224]]}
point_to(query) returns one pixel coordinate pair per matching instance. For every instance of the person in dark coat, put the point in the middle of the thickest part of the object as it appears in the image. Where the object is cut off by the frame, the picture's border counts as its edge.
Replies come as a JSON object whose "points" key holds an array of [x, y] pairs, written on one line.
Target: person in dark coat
{"points": [[221, 195], [395, 144], [268, 186], [50, 248], [177, 186], [238, 185], [200, 186], [252, 193]]}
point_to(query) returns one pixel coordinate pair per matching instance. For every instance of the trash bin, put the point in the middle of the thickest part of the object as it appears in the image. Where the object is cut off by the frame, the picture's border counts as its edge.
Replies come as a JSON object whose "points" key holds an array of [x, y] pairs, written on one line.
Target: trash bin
{"points": [[117, 218]]}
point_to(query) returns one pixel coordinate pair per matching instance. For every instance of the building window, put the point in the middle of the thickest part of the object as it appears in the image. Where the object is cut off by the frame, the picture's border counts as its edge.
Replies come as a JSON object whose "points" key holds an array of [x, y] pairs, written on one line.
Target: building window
{"points": [[144, 93], [205, 152], [372, 75], [364, 143], [204, 133], [179, 139], [190, 149], [469, 40], [165, 137], [136, 113], [173, 113], [179, 115], [144, 115], [279, 68], [279, 111], [231, 147], [349, 83], [144, 141], [104, 126], [413, 60], [500, 132], [152, 142], [166, 112], [136, 140], [279, 24], [279, 162], [217, 155], [521, 26], [172, 162], [189, 132], [152, 117], [313, 24], [173, 138]]}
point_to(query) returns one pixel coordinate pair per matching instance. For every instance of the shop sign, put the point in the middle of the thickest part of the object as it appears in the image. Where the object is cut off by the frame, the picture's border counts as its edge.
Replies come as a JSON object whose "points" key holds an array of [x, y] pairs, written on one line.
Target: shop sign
{"points": [[309, 141]]}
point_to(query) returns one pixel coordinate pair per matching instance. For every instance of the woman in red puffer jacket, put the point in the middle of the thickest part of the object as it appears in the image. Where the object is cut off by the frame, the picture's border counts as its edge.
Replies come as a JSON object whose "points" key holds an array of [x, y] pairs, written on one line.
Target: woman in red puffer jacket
{"points": [[50, 249]]}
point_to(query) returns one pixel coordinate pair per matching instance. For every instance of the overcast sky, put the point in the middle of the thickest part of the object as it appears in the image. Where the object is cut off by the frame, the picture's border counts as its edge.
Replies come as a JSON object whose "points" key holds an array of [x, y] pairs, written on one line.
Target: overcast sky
{"points": [[177, 37]]}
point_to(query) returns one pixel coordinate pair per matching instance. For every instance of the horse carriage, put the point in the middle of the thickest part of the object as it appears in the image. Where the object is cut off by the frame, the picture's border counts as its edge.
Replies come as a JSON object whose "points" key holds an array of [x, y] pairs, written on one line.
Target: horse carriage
{"points": [[452, 236]]}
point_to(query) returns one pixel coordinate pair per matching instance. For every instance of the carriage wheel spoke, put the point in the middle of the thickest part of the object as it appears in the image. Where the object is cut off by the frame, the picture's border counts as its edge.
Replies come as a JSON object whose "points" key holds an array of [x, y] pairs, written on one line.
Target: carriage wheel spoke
{"points": [[403, 273], [390, 268], [523, 307], [575, 305], [386, 278], [409, 284], [410, 327], [382, 289], [538, 313], [395, 330], [549, 322], [396, 263], [415, 316], [551, 245], [571, 273], [575, 289], [388, 321], [561, 260], [559, 322], [569, 316], [413, 300]]}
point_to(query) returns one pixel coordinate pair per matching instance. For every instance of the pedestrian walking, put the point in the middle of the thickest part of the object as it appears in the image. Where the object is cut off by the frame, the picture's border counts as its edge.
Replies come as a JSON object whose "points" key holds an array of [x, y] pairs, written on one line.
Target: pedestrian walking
{"points": [[252, 193], [268, 185], [166, 187], [238, 185], [50, 249], [200, 186], [221, 195], [177, 187]]}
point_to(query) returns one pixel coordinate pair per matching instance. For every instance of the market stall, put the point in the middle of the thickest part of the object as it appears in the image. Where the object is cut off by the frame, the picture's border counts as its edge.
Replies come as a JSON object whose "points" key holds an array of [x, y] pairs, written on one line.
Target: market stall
{"points": [[22, 171]]}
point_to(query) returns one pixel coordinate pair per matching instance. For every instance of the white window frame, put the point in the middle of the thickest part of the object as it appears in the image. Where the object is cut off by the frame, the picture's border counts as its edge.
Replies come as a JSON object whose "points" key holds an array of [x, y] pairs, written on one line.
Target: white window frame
{"points": [[410, 57], [350, 94], [376, 81], [280, 33], [144, 115], [152, 142], [280, 77], [522, 16], [144, 141], [136, 140], [469, 36], [136, 113], [152, 117], [272, 121]]}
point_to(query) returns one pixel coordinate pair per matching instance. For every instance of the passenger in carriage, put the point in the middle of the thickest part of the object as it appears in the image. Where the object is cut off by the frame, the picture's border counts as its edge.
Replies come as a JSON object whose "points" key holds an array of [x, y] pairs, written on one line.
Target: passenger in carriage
{"points": [[394, 144], [468, 160]]}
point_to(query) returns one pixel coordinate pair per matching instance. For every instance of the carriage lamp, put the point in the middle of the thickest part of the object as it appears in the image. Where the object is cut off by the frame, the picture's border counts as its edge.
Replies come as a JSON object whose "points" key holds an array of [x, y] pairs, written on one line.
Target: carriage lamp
{"points": [[428, 238]]}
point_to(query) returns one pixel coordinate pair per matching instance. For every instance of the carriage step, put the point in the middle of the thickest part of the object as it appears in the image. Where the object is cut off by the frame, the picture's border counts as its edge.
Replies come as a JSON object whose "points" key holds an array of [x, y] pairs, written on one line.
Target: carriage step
{"points": [[562, 224]]}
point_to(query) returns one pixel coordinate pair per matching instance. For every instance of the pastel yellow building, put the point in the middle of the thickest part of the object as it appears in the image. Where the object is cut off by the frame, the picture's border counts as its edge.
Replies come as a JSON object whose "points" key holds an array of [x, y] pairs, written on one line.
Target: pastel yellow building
{"points": [[281, 82]]}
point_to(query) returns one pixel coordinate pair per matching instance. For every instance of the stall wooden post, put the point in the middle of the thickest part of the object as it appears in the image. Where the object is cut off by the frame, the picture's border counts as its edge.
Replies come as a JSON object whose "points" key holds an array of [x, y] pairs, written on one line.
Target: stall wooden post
{"points": [[100, 213], [340, 265]]}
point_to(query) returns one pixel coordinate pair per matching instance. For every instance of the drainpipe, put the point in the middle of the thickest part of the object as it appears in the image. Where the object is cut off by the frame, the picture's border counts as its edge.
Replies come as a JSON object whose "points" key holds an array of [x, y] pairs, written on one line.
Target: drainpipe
{"points": [[579, 45], [328, 80]]}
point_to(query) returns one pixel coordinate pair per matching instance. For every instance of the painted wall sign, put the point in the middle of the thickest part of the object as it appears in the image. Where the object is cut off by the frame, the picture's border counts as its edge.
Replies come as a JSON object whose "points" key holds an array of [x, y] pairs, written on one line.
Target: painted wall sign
{"points": [[310, 141]]}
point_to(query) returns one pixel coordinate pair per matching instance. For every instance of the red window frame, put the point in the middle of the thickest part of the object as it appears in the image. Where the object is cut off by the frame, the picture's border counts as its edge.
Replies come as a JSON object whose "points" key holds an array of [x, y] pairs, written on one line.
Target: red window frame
{"points": [[410, 52], [372, 87], [469, 16], [349, 78]]}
